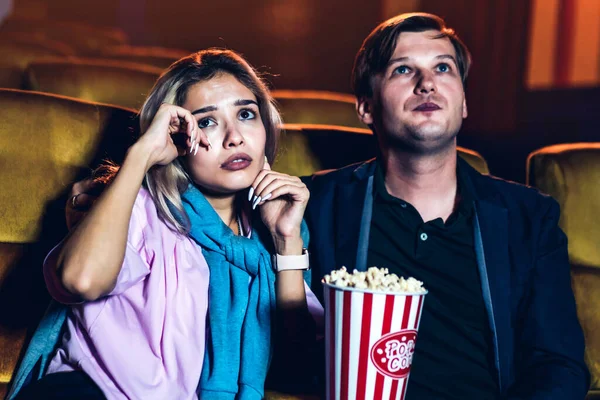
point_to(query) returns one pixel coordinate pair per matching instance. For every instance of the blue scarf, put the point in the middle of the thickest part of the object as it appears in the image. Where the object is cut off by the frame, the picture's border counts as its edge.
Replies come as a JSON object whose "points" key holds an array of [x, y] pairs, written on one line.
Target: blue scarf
{"points": [[241, 303]]}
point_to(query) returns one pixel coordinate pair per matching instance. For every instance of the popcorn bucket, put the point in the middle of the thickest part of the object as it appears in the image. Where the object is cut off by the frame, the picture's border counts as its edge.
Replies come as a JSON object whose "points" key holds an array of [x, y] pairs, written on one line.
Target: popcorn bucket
{"points": [[370, 340]]}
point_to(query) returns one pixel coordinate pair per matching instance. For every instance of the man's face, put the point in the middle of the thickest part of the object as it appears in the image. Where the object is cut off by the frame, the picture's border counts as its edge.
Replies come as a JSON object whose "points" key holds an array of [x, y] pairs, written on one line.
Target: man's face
{"points": [[418, 101]]}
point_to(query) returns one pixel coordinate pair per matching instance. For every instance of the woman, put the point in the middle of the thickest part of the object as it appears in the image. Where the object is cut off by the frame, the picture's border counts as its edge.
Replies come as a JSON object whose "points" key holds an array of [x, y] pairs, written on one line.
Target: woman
{"points": [[195, 196]]}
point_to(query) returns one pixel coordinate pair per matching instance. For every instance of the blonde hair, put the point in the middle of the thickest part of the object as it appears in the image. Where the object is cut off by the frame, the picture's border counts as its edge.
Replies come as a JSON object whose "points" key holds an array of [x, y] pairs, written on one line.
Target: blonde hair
{"points": [[167, 183]]}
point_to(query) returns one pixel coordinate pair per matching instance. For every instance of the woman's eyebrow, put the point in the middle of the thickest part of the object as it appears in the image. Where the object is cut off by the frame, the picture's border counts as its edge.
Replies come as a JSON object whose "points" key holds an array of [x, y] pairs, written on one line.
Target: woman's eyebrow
{"points": [[204, 110], [245, 102], [240, 102]]}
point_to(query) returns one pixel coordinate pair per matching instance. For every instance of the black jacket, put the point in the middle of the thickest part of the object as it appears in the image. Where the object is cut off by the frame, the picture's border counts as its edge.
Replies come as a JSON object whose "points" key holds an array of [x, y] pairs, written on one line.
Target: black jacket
{"points": [[523, 264]]}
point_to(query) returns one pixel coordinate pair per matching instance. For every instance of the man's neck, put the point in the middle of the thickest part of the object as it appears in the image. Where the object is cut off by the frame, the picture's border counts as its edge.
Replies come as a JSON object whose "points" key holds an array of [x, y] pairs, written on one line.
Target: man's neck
{"points": [[428, 182]]}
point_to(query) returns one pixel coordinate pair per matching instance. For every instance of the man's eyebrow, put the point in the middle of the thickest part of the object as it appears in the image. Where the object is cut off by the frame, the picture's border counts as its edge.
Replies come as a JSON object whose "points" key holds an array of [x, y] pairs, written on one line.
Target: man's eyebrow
{"points": [[204, 110], [397, 60], [245, 102], [447, 57], [440, 57]]}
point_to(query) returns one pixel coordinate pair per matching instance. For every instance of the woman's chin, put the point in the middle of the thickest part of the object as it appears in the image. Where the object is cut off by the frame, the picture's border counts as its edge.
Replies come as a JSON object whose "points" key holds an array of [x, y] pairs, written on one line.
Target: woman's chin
{"points": [[230, 189]]}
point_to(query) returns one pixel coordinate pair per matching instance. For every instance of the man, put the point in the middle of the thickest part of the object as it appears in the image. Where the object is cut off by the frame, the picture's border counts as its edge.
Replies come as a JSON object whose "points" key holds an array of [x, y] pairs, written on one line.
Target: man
{"points": [[499, 320]]}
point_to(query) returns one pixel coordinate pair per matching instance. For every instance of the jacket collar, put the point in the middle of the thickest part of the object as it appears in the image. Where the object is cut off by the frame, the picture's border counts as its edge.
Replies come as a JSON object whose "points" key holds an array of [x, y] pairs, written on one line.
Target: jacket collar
{"points": [[492, 251], [365, 170], [350, 215]]}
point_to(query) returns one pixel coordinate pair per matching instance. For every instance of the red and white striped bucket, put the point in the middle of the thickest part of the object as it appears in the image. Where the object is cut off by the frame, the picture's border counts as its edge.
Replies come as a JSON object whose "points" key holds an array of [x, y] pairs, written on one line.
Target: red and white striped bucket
{"points": [[370, 340]]}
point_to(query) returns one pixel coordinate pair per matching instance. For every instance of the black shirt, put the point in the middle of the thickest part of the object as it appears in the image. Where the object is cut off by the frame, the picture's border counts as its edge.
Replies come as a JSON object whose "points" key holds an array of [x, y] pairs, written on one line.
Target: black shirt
{"points": [[453, 355]]}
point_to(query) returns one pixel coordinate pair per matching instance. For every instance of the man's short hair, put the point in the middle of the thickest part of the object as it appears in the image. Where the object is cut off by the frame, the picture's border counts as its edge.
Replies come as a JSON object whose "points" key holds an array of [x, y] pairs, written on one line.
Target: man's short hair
{"points": [[378, 48]]}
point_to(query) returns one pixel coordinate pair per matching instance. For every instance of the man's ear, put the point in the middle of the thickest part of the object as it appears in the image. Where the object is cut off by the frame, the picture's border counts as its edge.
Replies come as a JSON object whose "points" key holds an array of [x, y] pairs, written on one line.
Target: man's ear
{"points": [[465, 111], [364, 108]]}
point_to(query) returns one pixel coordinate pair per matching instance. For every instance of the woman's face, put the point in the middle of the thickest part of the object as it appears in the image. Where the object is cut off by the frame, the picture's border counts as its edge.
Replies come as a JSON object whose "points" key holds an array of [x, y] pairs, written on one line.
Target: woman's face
{"points": [[227, 112]]}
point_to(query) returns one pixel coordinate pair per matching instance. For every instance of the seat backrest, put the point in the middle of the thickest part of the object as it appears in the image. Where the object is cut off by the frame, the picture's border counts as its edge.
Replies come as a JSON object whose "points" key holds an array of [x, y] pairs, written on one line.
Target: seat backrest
{"points": [[46, 143], [159, 57], [305, 149], [317, 107], [19, 50], [571, 174], [104, 81], [37, 39]]}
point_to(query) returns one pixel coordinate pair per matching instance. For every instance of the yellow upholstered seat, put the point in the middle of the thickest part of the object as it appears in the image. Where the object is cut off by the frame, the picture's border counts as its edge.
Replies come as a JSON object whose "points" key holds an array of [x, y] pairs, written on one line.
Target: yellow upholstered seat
{"points": [[158, 57], [105, 81], [571, 174], [474, 159], [18, 50], [317, 107], [46, 143], [306, 149]]}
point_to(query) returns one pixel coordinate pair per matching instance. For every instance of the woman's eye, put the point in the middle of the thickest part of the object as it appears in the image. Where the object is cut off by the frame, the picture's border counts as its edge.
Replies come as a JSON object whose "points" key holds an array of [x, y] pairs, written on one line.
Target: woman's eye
{"points": [[205, 123], [403, 69], [443, 68], [247, 114]]}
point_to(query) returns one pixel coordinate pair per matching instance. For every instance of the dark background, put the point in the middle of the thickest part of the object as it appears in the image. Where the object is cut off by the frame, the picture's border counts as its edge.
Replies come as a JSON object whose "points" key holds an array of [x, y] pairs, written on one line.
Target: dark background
{"points": [[310, 44]]}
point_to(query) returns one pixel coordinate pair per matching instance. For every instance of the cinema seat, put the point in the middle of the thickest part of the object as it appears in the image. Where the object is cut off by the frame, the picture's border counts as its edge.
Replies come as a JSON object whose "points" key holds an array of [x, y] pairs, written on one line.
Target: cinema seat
{"points": [[317, 107], [158, 57], [571, 174], [18, 50], [46, 143], [105, 81]]}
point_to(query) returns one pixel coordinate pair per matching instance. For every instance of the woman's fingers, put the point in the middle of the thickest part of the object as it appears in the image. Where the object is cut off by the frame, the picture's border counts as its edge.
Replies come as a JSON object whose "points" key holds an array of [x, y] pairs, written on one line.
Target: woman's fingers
{"points": [[296, 193], [182, 121], [266, 179], [197, 136], [263, 184], [281, 186]]}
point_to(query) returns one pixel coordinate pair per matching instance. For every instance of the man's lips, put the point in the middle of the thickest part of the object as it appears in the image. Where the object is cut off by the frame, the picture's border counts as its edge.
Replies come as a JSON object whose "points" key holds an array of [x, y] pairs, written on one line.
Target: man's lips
{"points": [[427, 107], [237, 161]]}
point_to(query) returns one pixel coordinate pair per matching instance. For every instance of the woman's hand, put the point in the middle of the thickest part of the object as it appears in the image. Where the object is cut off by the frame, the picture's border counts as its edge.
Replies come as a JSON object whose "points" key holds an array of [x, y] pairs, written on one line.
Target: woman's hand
{"points": [[172, 133], [282, 200]]}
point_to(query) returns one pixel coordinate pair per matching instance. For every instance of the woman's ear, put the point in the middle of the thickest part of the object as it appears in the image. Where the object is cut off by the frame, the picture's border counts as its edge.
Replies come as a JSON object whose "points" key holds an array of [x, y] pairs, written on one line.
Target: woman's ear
{"points": [[364, 108]]}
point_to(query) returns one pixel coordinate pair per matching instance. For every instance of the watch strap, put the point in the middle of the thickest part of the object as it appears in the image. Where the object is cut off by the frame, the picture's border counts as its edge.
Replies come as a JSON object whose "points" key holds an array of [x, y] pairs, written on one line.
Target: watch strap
{"points": [[288, 263]]}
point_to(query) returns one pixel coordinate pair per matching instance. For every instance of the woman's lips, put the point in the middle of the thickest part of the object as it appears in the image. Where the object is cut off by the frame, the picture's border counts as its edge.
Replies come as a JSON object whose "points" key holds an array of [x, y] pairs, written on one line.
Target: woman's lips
{"points": [[237, 162]]}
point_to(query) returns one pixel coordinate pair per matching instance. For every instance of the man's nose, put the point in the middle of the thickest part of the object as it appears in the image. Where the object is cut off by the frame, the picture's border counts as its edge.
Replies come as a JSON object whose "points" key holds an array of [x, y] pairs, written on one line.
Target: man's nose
{"points": [[425, 83]]}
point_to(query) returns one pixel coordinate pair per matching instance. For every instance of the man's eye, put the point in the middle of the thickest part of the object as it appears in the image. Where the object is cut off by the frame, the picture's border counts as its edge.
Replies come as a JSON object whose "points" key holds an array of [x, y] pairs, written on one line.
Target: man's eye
{"points": [[403, 69], [205, 123], [247, 114], [443, 68]]}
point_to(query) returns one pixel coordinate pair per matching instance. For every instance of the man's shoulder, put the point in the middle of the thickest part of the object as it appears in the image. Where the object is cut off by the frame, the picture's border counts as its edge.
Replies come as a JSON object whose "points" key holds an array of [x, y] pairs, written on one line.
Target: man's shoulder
{"points": [[515, 195], [327, 178]]}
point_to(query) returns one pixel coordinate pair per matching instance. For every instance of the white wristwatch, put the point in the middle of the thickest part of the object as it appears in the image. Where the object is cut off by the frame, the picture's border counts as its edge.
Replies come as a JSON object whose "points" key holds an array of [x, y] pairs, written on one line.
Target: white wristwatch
{"points": [[287, 263]]}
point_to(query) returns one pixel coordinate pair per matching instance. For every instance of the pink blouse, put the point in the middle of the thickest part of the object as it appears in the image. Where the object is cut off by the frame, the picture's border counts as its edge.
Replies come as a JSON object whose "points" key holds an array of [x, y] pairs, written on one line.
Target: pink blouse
{"points": [[145, 340]]}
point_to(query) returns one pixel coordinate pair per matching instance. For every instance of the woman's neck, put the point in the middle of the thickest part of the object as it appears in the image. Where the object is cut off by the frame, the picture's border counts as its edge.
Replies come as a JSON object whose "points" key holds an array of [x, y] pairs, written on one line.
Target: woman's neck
{"points": [[226, 208]]}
